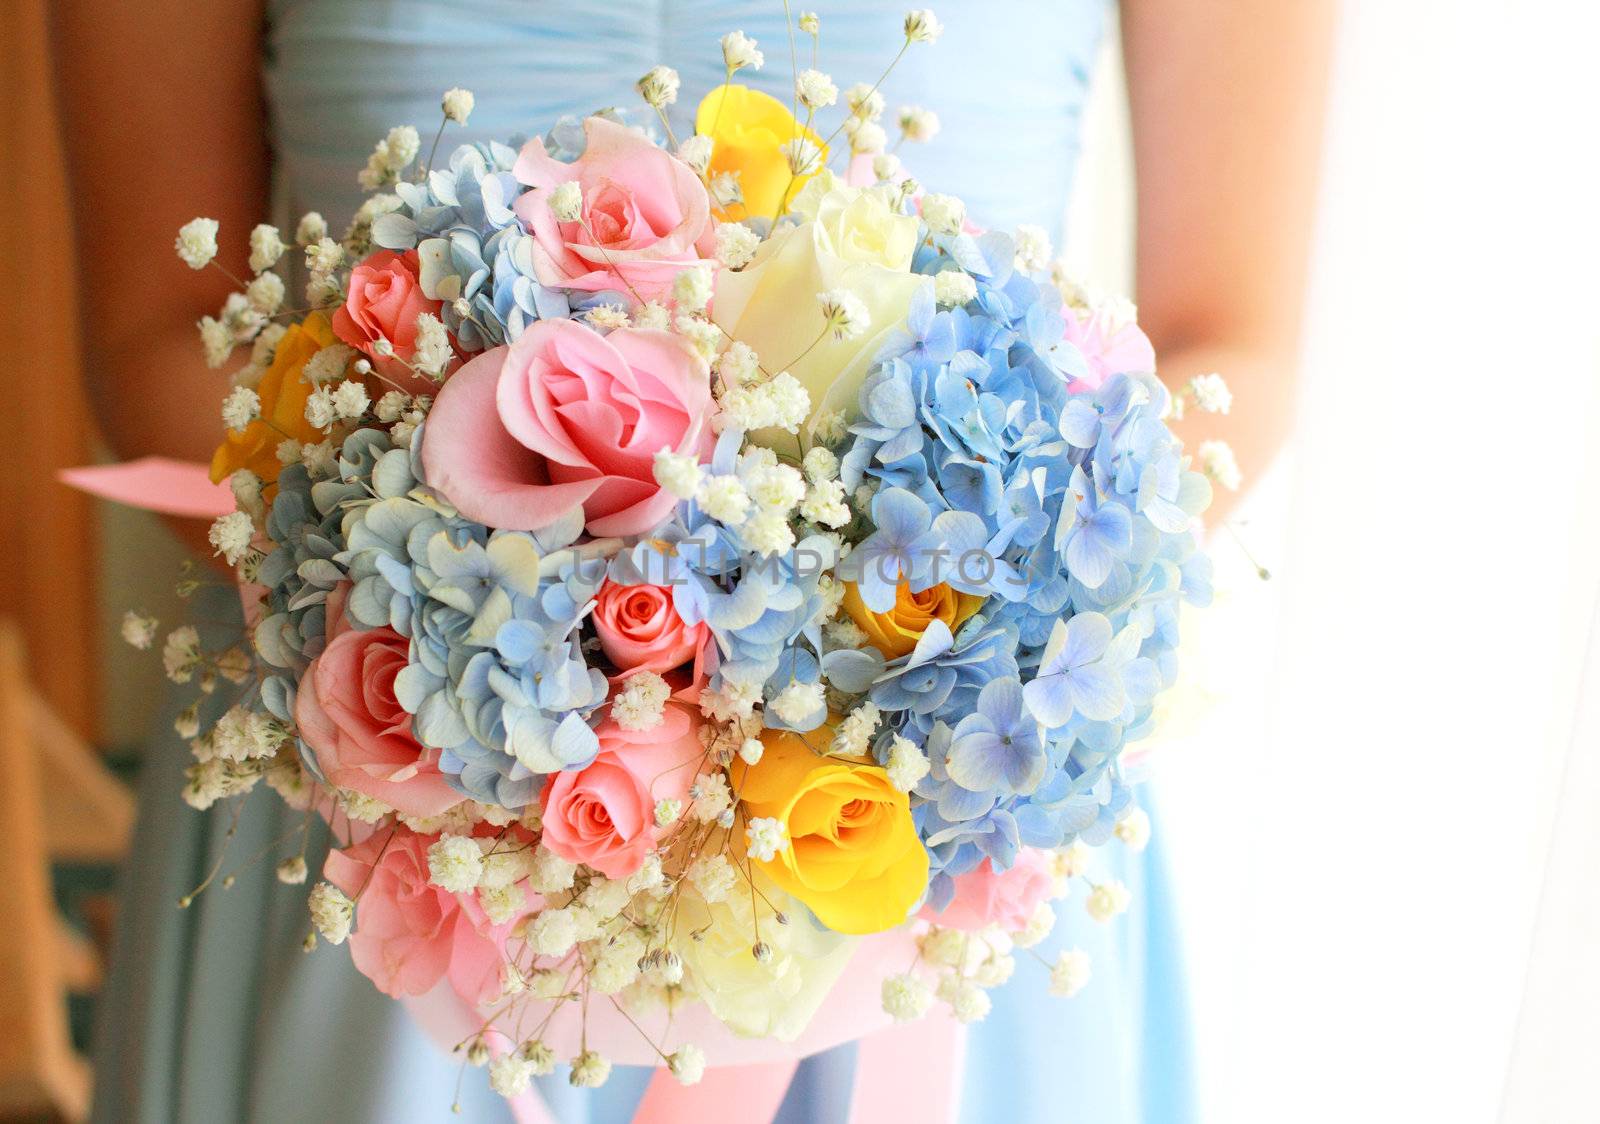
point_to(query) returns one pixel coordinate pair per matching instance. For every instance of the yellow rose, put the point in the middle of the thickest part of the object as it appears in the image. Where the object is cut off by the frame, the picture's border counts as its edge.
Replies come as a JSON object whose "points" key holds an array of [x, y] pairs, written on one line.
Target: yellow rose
{"points": [[853, 855], [749, 130], [897, 631], [772, 999], [283, 390], [852, 240]]}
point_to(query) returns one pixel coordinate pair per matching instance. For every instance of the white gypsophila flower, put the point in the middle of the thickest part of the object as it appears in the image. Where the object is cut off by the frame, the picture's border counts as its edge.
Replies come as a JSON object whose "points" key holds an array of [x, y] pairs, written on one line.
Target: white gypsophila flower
{"points": [[288, 451], [824, 504], [739, 365], [266, 247], [216, 338], [245, 735], [691, 289], [231, 535], [773, 487], [864, 101], [607, 317], [510, 1075], [550, 872], [953, 288], [918, 124], [906, 764], [843, 314], [320, 458], [699, 334], [667, 811], [1211, 393], [1069, 973], [651, 875], [324, 290], [1217, 461], [1040, 923], [1068, 862], [311, 229], [292, 871], [659, 87], [724, 499], [350, 399], [566, 201], [845, 633], [678, 473], [751, 751], [687, 1063], [810, 23], [1033, 248], [457, 104], [713, 877], [922, 26], [139, 630], [1107, 900], [324, 256], [537, 1054], [829, 427], [320, 410], [1134, 829], [970, 1003], [361, 807], [553, 932], [265, 293], [502, 903], [247, 487], [197, 242], [710, 795], [455, 863], [906, 997], [393, 404], [331, 912], [736, 244], [725, 189], [695, 151], [589, 1070], [944, 214], [638, 706], [739, 52], [803, 156], [797, 701], [815, 89], [431, 355], [768, 533], [765, 837], [995, 971], [820, 463], [866, 137], [234, 665], [402, 145], [241, 407], [181, 653], [242, 318], [851, 737], [788, 402], [374, 207]]}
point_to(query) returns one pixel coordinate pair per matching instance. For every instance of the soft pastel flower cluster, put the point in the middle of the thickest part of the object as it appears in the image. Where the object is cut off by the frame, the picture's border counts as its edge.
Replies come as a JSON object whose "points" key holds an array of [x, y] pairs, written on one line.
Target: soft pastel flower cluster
{"points": [[666, 565]]}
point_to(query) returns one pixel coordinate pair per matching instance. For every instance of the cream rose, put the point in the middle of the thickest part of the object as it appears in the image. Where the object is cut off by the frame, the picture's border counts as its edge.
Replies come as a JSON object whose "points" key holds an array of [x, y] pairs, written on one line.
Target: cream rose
{"points": [[852, 240]]}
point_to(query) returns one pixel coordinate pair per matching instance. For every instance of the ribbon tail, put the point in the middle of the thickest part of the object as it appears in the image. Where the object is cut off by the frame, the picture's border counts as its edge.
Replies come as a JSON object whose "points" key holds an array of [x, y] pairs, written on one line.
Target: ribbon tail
{"points": [[159, 484], [748, 1093], [911, 1071]]}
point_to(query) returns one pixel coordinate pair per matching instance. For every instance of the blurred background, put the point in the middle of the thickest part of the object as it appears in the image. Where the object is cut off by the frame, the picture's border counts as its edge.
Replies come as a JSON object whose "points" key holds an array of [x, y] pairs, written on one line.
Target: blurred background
{"points": [[1385, 800]]}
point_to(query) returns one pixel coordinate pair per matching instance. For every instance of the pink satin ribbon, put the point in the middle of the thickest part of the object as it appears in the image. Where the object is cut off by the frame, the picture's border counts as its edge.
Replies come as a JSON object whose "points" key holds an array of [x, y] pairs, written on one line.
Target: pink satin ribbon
{"points": [[159, 484]]}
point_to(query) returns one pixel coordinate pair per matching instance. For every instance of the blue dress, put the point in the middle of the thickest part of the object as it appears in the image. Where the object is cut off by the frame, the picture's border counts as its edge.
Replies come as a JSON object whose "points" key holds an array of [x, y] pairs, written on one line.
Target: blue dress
{"points": [[214, 1014]]}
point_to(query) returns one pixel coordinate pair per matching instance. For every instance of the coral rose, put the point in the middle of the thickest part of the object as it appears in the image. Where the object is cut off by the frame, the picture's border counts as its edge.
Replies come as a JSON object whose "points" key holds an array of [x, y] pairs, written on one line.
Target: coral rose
{"points": [[1006, 898], [645, 216], [348, 715], [853, 855], [383, 303], [640, 629], [603, 815], [409, 933], [565, 417]]}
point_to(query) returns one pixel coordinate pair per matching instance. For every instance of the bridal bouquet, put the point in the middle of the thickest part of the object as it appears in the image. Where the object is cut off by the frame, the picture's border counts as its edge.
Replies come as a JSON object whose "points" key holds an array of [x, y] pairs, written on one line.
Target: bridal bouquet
{"points": [[707, 583]]}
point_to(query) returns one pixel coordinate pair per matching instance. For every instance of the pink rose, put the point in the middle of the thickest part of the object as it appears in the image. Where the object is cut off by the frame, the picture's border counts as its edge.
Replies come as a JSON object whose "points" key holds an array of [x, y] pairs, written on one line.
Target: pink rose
{"points": [[986, 898], [409, 934], [1110, 346], [384, 300], [347, 713], [565, 417], [604, 815], [645, 216], [640, 629]]}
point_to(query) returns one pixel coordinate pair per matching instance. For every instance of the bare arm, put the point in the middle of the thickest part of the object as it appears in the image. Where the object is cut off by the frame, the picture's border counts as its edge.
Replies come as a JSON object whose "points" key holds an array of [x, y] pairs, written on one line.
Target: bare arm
{"points": [[163, 100], [1227, 100]]}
